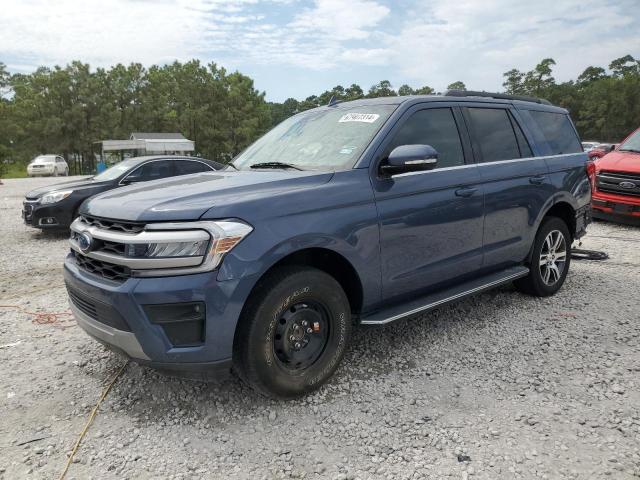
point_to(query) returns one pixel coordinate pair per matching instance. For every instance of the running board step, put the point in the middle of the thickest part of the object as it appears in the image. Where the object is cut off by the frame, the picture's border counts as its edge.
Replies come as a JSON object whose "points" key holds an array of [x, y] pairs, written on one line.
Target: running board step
{"points": [[443, 297]]}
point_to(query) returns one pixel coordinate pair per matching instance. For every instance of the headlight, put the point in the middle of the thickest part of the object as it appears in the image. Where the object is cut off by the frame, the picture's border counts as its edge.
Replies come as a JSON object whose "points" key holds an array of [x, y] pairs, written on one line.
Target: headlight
{"points": [[170, 249], [55, 196], [224, 236]]}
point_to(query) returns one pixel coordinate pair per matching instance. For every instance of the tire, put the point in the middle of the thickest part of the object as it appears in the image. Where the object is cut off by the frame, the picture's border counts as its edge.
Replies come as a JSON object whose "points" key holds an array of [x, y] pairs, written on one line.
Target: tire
{"points": [[293, 332], [549, 266], [55, 172]]}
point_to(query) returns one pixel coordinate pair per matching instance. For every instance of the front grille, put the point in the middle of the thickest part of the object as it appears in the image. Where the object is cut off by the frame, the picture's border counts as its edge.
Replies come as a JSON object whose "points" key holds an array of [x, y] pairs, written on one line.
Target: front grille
{"points": [[84, 305], [620, 183], [106, 270], [112, 247], [98, 311], [112, 225]]}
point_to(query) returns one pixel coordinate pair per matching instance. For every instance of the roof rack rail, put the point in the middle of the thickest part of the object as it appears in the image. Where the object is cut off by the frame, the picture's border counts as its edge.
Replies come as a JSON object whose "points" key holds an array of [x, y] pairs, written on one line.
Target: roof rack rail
{"points": [[500, 96]]}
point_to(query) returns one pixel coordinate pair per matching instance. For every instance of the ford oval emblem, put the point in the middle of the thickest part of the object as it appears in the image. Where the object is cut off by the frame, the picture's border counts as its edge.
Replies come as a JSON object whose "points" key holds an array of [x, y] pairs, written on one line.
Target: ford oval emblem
{"points": [[85, 242], [627, 185]]}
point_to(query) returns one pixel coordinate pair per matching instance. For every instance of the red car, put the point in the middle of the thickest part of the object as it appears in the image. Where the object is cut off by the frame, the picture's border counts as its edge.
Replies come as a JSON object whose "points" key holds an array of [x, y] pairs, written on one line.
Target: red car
{"points": [[616, 183]]}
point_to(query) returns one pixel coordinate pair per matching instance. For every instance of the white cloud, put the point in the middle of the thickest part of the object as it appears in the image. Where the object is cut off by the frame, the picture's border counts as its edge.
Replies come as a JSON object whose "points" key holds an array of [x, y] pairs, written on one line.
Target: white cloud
{"points": [[478, 41], [105, 32], [420, 42], [339, 20]]}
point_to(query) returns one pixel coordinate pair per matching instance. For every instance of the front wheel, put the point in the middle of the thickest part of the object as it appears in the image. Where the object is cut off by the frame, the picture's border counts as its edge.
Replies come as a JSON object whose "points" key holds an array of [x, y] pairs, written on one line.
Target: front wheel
{"points": [[293, 333], [550, 259]]}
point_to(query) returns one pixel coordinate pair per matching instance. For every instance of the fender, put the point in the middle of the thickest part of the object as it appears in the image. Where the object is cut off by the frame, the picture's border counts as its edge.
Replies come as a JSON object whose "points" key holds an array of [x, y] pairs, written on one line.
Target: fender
{"points": [[236, 266]]}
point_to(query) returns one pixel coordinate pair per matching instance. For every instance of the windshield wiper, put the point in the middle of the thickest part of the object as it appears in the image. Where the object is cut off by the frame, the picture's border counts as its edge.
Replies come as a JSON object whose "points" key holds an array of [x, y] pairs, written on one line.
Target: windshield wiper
{"points": [[634, 150], [274, 165]]}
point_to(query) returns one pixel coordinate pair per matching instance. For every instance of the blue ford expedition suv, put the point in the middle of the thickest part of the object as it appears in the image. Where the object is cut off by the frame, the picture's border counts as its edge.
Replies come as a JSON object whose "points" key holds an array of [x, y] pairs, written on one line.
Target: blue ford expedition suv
{"points": [[355, 213]]}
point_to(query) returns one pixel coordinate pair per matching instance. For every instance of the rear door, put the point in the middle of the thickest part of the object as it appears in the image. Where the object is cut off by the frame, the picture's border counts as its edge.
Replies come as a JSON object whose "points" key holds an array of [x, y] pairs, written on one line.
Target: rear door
{"points": [[516, 184], [430, 222]]}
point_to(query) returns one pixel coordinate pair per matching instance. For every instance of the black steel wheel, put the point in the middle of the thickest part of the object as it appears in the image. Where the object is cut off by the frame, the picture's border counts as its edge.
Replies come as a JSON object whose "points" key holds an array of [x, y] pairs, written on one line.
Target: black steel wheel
{"points": [[302, 334], [292, 333]]}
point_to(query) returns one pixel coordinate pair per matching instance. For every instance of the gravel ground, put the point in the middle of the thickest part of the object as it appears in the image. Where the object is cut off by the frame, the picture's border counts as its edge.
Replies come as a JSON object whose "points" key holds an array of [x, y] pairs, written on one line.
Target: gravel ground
{"points": [[498, 386]]}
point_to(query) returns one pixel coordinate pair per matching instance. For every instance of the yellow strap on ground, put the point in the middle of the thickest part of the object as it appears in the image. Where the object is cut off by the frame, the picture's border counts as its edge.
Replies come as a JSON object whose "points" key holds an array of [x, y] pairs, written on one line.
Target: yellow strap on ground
{"points": [[91, 417]]}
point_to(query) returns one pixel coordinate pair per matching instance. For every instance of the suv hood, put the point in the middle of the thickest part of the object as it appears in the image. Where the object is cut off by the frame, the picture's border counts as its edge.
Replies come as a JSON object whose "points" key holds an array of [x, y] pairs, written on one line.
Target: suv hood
{"points": [[73, 184], [189, 197], [620, 162]]}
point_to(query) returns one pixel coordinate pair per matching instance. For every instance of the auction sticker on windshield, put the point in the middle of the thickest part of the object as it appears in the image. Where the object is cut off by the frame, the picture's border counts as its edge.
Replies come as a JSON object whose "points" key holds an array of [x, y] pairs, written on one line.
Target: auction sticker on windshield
{"points": [[359, 117]]}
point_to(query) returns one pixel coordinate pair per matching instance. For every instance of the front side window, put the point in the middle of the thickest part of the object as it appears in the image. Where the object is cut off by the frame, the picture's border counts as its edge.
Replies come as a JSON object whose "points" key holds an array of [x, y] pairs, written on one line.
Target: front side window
{"points": [[494, 134], [436, 127], [151, 171], [558, 132], [322, 139]]}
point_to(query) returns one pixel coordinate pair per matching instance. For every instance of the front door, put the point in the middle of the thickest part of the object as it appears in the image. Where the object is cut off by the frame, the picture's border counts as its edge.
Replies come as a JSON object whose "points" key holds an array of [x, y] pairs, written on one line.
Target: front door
{"points": [[430, 222]]}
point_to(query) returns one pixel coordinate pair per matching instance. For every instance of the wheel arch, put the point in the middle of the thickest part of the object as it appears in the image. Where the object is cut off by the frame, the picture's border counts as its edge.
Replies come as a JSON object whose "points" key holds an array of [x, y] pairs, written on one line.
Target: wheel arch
{"points": [[330, 262], [562, 210]]}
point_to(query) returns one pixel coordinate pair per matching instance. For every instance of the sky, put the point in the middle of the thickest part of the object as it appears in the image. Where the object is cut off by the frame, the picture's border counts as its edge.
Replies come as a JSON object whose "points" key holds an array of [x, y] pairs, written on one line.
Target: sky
{"points": [[296, 48]]}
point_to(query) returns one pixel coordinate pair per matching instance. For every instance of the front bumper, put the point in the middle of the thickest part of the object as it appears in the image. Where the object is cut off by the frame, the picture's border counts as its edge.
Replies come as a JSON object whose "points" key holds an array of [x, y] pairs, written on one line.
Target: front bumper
{"points": [[54, 215], [146, 342], [616, 208], [42, 172]]}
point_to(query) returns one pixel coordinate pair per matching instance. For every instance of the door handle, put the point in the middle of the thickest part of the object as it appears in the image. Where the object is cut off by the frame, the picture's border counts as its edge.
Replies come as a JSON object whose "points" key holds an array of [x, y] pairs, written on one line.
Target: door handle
{"points": [[537, 180], [466, 191]]}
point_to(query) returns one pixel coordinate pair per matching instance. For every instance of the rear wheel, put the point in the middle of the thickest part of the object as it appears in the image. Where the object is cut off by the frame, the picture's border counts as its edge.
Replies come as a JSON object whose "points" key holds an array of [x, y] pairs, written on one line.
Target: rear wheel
{"points": [[293, 333], [550, 259]]}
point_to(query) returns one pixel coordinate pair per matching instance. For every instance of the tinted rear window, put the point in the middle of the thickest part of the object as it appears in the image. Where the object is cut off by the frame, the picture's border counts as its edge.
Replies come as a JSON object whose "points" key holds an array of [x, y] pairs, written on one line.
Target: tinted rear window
{"points": [[494, 134], [558, 132]]}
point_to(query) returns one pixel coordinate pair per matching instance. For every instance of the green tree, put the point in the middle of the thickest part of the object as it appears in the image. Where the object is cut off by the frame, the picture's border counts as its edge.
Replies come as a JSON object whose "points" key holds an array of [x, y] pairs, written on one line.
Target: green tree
{"points": [[406, 90], [457, 86], [382, 89], [623, 66]]}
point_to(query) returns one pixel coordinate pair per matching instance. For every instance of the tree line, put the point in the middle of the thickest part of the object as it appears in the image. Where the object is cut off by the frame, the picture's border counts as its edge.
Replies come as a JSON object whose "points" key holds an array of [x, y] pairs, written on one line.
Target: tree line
{"points": [[67, 109]]}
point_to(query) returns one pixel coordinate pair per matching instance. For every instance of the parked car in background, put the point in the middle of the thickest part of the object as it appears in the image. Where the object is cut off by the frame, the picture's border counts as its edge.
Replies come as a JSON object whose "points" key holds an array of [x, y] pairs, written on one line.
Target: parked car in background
{"points": [[616, 189], [48, 165], [601, 150], [588, 146], [55, 206], [371, 210]]}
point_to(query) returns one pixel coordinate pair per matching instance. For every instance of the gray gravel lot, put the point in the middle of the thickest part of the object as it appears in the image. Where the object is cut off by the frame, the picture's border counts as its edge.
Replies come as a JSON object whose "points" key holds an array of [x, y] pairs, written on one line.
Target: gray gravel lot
{"points": [[500, 386]]}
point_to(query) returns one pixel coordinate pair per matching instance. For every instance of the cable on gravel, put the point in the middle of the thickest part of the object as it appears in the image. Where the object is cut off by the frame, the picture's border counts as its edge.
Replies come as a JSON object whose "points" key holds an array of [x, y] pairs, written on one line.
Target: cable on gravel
{"points": [[582, 254], [57, 319], [105, 392]]}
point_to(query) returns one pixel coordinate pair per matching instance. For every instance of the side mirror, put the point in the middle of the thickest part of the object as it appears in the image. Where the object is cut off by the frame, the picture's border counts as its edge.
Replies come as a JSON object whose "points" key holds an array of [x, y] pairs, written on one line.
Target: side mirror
{"points": [[410, 158]]}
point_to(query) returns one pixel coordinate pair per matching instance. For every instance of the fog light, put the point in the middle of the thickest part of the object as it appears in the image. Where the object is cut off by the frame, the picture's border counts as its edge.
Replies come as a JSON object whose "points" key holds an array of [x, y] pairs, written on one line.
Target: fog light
{"points": [[182, 323]]}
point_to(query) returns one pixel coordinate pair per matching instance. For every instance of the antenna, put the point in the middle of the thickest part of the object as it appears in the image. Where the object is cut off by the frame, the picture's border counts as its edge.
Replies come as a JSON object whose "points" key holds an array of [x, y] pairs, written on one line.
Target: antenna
{"points": [[333, 101]]}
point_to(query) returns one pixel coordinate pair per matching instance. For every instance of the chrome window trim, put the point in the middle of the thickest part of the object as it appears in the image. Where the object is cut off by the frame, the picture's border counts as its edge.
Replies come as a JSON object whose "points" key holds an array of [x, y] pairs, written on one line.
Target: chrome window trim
{"points": [[513, 160], [181, 159]]}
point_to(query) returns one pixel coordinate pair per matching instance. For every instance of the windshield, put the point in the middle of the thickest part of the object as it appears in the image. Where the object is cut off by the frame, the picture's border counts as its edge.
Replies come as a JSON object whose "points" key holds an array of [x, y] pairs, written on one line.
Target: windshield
{"points": [[632, 143], [44, 159], [325, 139], [116, 170]]}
